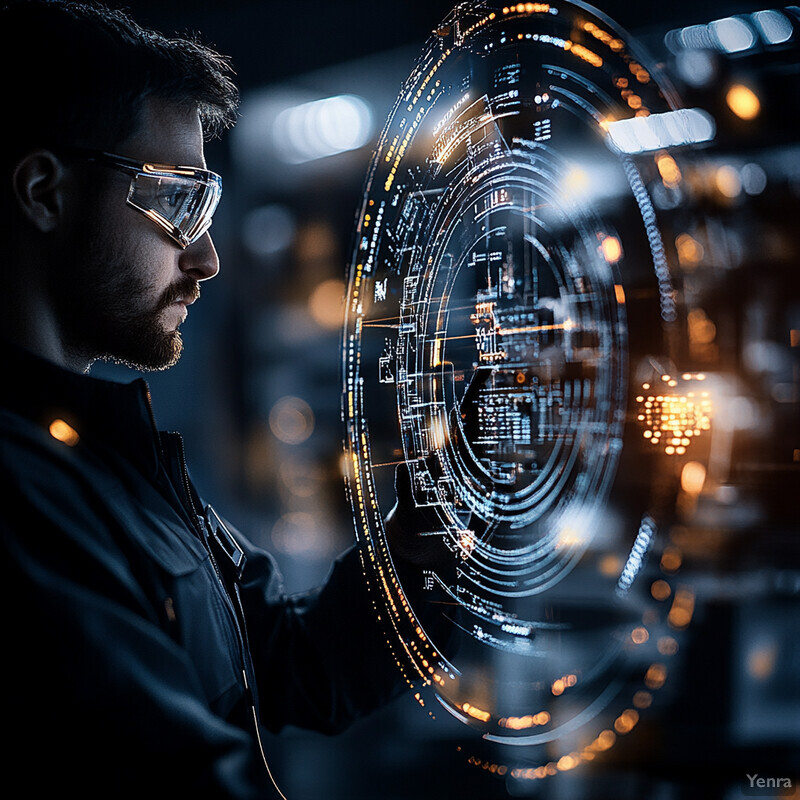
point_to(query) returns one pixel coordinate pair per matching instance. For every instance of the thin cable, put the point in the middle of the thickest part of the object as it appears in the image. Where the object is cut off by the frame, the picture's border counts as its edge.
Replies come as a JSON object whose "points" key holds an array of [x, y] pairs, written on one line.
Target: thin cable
{"points": [[263, 755]]}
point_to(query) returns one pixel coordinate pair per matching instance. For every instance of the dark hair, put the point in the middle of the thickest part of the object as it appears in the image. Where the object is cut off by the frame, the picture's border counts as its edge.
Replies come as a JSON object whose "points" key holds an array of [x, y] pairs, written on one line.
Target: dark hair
{"points": [[79, 73]]}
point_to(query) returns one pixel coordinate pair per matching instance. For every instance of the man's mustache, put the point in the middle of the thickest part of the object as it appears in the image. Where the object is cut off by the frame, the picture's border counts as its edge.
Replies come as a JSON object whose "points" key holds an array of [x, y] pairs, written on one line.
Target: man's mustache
{"points": [[187, 290]]}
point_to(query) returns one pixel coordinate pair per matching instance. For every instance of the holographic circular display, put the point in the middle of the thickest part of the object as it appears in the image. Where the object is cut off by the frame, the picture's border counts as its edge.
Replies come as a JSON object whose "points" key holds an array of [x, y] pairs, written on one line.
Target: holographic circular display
{"points": [[507, 284]]}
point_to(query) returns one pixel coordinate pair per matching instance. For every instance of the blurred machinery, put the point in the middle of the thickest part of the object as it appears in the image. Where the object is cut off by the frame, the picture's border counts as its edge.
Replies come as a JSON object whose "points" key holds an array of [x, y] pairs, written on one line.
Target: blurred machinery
{"points": [[573, 309]]}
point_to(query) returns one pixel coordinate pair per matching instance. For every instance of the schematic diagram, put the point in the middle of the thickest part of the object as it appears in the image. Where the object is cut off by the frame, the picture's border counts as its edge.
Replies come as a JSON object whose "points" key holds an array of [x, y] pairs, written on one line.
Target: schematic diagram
{"points": [[510, 294]]}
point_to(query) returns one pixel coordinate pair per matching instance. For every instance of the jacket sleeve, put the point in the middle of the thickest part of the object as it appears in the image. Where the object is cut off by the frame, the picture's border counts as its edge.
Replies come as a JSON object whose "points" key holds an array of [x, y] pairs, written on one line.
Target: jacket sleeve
{"points": [[321, 657]]}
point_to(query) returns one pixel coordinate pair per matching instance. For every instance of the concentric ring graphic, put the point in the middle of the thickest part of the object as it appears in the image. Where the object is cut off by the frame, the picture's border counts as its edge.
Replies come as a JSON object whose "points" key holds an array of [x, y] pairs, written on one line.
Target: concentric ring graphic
{"points": [[507, 276]]}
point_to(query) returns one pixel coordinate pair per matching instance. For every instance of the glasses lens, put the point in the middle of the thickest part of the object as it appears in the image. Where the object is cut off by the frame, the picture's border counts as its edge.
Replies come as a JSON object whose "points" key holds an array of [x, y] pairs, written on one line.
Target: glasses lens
{"points": [[182, 204]]}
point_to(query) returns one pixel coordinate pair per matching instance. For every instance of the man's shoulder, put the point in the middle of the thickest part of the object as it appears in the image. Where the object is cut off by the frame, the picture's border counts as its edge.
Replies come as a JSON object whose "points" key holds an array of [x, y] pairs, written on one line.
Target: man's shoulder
{"points": [[40, 461], [67, 488], [20, 436]]}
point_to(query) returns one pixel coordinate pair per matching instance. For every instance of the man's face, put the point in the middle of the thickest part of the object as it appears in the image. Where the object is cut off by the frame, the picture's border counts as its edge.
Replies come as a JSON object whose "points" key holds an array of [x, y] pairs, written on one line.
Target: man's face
{"points": [[130, 284]]}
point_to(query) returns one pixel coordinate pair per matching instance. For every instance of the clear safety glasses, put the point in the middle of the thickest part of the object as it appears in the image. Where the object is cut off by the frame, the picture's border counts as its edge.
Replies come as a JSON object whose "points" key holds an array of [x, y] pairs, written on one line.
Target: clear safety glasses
{"points": [[181, 200]]}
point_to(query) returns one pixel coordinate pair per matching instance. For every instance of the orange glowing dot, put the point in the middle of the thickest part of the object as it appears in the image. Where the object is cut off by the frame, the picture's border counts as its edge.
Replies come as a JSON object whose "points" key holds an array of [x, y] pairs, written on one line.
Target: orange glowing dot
{"points": [[605, 740], [610, 565], [660, 590], [743, 101], [642, 699], [568, 762], [626, 721], [667, 646], [611, 248], [326, 303], [728, 181], [671, 559], [668, 169], [656, 676], [64, 432], [680, 615], [639, 635], [693, 475], [476, 713]]}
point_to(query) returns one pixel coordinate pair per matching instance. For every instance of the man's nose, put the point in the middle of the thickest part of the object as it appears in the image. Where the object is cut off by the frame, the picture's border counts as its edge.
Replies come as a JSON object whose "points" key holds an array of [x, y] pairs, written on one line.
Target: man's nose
{"points": [[200, 259]]}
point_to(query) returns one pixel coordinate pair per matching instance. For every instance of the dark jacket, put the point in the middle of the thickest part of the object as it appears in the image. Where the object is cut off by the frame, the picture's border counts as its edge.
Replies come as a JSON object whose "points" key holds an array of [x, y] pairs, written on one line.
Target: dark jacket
{"points": [[136, 643]]}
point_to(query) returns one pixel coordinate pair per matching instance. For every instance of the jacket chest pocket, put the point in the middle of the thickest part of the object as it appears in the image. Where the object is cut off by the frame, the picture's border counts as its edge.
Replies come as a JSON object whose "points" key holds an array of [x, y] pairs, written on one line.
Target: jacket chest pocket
{"points": [[202, 622], [197, 612]]}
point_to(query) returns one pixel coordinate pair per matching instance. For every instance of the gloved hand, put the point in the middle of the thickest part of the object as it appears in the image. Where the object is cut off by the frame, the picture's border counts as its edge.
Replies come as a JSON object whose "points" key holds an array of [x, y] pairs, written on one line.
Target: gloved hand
{"points": [[415, 533]]}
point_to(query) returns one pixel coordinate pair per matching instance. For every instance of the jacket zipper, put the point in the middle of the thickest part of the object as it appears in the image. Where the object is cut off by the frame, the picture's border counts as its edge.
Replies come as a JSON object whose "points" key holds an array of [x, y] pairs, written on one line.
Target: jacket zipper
{"points": [[244, 649], [200, 525]]}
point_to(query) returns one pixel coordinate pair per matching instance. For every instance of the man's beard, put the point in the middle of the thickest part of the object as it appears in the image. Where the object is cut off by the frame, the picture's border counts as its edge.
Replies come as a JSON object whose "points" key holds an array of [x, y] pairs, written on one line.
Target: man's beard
{"points": [[142, 342], [109, 320]]}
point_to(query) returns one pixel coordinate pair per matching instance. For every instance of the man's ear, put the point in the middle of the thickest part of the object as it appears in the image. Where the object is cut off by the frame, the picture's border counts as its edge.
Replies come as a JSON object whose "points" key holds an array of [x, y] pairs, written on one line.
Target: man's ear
{"points": [[38, 183]]}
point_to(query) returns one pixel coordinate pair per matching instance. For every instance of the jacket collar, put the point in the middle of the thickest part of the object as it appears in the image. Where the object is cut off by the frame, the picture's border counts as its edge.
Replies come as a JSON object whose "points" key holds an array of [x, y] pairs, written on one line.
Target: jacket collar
{"points": [[113, 414]]}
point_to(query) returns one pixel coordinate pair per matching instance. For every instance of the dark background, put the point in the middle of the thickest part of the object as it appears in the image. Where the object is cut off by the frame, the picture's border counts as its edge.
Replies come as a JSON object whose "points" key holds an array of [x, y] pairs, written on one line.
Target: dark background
{"points": [[260, 343], [275, 41]]}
